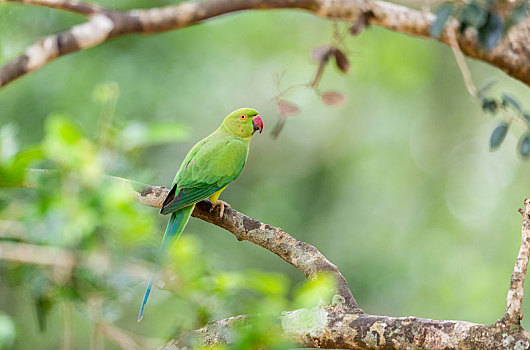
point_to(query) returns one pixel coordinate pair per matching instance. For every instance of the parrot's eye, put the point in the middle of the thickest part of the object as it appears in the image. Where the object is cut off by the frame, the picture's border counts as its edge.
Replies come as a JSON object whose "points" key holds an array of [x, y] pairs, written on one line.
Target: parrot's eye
{"points": [[243, 117]]}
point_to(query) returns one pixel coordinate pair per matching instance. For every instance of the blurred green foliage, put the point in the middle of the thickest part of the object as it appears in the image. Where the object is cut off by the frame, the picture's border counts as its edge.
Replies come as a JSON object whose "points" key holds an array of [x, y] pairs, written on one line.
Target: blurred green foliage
{"points": [[397, 186], [7, 331]]}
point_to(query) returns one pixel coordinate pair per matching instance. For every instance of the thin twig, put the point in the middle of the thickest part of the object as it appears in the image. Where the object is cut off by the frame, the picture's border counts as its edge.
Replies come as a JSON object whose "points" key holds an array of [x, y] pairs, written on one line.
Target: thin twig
{"points": [[96, 338], [514, 298], [61, 260], [123, 339], [79, 7], [66, 343], [461, 61]]}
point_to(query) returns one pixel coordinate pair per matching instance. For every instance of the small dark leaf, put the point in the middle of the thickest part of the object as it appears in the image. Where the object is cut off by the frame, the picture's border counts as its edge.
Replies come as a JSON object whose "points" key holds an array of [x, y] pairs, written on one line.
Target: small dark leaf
{"points": [[362, 22], [462, 28], [318, 74], [498, 135], [332, 98], [43, 306], [524, 145], [473, 15], [491, 33], [342, 61], [442, 16], [489, 105], [510, 100], [287, 109], [321, 53]]}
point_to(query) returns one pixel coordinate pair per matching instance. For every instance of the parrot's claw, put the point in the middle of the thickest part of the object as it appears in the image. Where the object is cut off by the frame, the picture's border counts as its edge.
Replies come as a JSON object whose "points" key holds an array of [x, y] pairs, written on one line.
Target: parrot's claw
{"points": [[221, 204]]}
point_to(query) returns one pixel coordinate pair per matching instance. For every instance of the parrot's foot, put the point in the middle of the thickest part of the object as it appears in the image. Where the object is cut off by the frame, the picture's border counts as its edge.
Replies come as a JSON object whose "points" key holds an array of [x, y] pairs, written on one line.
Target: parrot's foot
{"points": [[221, 204]]}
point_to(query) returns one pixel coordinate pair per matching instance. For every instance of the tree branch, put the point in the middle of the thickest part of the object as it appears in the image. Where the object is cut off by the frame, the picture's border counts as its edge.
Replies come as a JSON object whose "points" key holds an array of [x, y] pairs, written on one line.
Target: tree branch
{"points": [[306, 258], [511, 55], [514, 300], [334, 327]]}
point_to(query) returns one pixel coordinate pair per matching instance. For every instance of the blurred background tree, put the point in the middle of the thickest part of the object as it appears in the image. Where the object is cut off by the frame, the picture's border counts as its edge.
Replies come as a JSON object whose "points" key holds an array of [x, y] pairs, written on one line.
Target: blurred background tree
{"points": [[396, 186]]}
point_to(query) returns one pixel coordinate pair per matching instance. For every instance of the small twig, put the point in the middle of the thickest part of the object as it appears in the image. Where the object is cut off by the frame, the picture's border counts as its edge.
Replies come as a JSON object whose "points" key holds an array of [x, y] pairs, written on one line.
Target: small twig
{"points": [[61, 260], [514, 300], [96, 338], [461, 61], [123, 339], [79, 7], [66, 343]]}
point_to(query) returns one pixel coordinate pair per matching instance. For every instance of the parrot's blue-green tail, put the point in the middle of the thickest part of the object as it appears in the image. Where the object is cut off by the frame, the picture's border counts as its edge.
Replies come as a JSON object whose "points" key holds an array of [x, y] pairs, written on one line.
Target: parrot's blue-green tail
{"points": [[176, 224]]}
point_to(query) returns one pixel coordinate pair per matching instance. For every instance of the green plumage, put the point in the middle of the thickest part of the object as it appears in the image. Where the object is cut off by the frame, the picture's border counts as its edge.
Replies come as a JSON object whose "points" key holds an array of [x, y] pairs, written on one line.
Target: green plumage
{"points": [[209, 167]]}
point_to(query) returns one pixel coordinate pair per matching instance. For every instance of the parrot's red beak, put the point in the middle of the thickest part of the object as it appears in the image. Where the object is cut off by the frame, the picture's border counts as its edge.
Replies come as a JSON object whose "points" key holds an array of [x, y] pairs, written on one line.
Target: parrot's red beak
{"points": [[258, 124]]}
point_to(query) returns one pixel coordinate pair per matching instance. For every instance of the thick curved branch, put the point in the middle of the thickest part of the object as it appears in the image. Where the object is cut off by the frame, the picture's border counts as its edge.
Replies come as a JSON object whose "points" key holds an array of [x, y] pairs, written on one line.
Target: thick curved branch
{"points": [[333, 327], [306, 258], [512, 55]]}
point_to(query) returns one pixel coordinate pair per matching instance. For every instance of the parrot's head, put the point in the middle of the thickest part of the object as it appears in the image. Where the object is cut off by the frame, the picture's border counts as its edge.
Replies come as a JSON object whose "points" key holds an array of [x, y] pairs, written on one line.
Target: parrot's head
{"points": [[243, 122]]}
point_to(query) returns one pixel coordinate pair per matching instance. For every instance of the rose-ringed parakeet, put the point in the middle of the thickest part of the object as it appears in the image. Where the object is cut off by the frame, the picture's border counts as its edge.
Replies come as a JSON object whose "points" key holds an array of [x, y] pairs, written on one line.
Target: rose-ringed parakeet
{"points": [[209, 167]]}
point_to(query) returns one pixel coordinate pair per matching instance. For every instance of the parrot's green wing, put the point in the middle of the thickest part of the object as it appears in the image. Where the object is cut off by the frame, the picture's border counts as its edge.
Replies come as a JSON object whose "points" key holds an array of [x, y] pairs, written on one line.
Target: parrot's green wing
{"points": [[186, 197], [209, 167]]}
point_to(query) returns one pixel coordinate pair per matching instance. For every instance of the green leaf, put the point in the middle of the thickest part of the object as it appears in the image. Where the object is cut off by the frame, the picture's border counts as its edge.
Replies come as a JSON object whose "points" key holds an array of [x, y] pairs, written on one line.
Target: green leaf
{"points": [[105, 92], [7, 331], [8, 141], [524, 145], [442, 16], [489, 105], [316, 291], [498, 135], [510, 100], [60, 128], [473, 15], [491, 33]]}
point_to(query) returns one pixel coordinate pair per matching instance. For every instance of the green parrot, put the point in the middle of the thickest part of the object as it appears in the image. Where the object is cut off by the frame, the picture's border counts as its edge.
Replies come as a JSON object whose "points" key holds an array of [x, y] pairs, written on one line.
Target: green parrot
{"points": [[209, 167]]}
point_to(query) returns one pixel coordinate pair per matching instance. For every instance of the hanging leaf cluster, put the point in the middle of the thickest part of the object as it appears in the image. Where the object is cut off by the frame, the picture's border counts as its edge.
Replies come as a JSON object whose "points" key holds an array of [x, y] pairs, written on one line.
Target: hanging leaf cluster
{"points": [[510, 107], [491, 28], [322, 55]]}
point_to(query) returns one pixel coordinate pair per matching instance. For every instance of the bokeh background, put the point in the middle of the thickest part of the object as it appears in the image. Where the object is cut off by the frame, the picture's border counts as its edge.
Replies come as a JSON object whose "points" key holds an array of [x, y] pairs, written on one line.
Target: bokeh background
{"points": [[397, 186]]}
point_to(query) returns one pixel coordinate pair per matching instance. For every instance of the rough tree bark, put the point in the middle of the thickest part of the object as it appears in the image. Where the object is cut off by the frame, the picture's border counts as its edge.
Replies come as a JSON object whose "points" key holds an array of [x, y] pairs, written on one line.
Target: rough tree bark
{"points": [[344, 325], [511, 55]]}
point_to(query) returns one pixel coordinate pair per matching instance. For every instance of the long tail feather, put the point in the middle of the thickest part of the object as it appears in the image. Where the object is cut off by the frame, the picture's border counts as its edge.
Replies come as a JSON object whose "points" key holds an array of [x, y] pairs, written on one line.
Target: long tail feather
{"points": [[176, 224]]}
